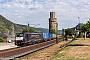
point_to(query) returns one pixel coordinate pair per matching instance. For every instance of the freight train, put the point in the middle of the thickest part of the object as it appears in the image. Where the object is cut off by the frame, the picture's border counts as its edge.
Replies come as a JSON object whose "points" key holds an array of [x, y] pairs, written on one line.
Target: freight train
{"points": [[23, 39]]}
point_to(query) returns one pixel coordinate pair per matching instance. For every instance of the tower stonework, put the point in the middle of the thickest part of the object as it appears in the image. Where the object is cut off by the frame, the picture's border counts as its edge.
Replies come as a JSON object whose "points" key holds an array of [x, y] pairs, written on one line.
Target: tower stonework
{"points": [[52, 22]]}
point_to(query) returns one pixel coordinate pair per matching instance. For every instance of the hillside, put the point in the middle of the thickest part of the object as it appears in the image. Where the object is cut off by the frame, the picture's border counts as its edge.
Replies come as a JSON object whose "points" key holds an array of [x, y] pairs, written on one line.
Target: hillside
{"points": [[47, 30], [7, 26], [41, 29]]}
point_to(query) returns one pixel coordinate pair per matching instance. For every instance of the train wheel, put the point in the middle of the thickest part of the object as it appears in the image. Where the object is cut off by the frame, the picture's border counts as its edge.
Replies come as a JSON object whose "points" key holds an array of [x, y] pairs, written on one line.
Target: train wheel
{"points": [[33, 43], [38, 42], [24, 44]]}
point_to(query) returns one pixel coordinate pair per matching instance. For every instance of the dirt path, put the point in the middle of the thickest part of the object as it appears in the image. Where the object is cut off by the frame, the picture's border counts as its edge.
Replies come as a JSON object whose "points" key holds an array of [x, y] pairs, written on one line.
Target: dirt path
{"points": [[44, 54]]}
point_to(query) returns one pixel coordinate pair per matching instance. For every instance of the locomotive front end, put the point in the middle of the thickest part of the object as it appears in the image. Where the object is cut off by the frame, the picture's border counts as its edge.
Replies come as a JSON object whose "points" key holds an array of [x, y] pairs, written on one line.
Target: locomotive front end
{"points": [[19, 39]]}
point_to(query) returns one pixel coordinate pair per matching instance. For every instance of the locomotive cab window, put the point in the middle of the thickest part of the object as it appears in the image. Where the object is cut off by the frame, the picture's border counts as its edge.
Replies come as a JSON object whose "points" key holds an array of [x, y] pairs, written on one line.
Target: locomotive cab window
{"points": [[19, 35]]}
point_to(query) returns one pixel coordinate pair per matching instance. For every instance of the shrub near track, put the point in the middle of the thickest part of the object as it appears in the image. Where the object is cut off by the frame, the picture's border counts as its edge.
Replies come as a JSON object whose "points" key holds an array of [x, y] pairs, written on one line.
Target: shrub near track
{"points": [[1, 40]]}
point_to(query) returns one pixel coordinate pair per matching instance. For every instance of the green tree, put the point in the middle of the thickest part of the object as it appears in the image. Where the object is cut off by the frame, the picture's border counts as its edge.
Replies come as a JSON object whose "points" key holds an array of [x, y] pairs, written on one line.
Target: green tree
{"points": [[85, 28], [29, 30], [32, 30], [53, 31], [69, 32], [88, 24], [1, 39]]}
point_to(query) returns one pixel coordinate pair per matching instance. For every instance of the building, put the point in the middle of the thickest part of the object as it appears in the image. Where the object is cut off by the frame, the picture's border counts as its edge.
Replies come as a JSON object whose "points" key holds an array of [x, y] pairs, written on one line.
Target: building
{"points": [[7, 36], [52, 22], [78, 28]]}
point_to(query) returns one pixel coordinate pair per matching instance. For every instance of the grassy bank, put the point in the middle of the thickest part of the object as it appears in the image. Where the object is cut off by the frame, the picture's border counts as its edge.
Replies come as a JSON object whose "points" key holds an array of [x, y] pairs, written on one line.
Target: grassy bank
{"points": [[77, 50]]}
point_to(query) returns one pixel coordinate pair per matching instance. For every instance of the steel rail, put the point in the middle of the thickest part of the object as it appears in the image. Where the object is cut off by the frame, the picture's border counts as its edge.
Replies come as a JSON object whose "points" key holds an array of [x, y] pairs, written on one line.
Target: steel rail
{"points": [[17, 52]]}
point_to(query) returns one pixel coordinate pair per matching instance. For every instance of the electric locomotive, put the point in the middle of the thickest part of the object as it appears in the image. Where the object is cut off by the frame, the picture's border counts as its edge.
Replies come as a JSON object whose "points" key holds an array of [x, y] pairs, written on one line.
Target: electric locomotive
{"points": [[22, 39]]}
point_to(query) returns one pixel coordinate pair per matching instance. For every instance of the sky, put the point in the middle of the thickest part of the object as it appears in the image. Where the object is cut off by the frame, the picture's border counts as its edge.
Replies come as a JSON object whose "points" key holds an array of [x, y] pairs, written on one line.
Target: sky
{"points": [[37, 12]]}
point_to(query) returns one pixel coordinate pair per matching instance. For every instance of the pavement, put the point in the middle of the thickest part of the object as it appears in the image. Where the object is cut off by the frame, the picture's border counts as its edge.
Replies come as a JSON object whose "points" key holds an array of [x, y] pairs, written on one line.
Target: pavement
{"points": [[7, 46]]}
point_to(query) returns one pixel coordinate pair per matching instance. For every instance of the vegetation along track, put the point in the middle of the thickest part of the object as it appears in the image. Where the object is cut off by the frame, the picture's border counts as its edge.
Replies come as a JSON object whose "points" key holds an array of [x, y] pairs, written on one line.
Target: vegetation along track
{"points": [[47, 53], [13, 53]]}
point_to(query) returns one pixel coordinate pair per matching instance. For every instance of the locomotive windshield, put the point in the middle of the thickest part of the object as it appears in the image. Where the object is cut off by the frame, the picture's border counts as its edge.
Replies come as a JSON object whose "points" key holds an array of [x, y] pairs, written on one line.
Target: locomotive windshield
{"points": [[19, 35]]}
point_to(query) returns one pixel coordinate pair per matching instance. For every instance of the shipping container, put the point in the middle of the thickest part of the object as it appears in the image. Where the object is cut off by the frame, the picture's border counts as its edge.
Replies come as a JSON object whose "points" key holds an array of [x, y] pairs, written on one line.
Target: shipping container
{"points": [[50, 35], [45, 36], [53, 36]]}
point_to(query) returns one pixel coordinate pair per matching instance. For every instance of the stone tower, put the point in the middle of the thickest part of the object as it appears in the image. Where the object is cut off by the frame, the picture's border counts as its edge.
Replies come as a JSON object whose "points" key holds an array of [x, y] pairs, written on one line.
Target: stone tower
{"points": [[52, 22]]}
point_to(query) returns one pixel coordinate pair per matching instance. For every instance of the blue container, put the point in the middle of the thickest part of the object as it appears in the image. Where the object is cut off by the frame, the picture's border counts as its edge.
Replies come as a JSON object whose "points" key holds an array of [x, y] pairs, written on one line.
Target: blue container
{"points": [[50, 35], [45, 36]]}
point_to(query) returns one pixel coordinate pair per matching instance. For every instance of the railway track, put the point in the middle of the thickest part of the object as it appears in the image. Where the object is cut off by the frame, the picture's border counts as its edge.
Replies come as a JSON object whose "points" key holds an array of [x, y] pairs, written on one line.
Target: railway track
{"points": [[20, 51], [14, 53], [46, 53]]}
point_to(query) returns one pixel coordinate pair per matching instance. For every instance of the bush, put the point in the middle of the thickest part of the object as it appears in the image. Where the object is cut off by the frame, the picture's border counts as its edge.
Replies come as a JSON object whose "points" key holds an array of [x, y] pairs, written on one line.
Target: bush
{"points": [[69, 36], [1, 39], [80, 36]]}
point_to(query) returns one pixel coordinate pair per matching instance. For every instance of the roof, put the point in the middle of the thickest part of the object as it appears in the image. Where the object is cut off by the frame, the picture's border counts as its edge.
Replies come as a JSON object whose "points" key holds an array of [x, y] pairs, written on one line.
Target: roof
{"points": [[79, 26]]}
